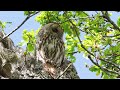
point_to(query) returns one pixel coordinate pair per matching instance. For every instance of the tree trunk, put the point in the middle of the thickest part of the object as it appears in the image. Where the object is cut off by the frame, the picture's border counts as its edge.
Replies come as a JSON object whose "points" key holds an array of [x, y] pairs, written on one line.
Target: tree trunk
{"points": [[15, 65]]}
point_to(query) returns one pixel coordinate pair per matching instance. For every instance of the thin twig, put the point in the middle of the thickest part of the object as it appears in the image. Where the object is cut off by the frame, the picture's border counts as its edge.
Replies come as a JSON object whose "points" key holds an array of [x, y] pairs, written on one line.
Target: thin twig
{"points": [[80, 39], [34, 13], [64, 70], [19, 26], [16, 28], [74, 52], [104, 69], [113, 36], [93, 54]]}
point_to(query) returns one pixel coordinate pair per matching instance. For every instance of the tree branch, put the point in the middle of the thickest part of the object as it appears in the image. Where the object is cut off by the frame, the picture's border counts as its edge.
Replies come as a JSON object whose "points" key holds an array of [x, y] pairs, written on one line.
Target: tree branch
{"points": [[88, 50], [74, 52], [106, 15], [80, 39], [34, 13], [113, 36], [19, 25], [104, 69], [64, 70]]}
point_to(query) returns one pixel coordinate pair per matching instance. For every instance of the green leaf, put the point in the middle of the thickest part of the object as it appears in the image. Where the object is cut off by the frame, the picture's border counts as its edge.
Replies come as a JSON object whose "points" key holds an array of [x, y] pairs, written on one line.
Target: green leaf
{"points": [[25, 38], [110, 14], [30, 47], [118, 21], [24, 31], [66, 27], [106, 52], [25, 53], [2, 24], [105, 76], [98, 73], [41, 17], [26, 12], [94, 68], [97, 30], [72, 59]]}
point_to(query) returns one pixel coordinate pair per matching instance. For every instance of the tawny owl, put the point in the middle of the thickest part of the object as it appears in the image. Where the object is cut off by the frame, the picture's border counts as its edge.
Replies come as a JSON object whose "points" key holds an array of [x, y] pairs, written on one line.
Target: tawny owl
{"points": [[50, 45]]}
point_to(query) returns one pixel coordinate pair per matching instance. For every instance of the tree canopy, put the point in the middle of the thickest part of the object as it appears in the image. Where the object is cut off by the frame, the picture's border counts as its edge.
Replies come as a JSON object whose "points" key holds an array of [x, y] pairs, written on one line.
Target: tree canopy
{"points": [[101, 42]]}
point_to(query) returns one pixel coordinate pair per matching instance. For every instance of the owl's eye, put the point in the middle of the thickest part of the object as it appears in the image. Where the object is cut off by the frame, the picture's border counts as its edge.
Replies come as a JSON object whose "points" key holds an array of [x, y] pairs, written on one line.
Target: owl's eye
{"points": [[55, 30]]}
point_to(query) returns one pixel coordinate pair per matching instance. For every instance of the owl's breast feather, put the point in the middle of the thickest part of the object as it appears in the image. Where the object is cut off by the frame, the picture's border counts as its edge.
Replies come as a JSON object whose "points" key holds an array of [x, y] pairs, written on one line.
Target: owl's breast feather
{"points": [[51, 46]]}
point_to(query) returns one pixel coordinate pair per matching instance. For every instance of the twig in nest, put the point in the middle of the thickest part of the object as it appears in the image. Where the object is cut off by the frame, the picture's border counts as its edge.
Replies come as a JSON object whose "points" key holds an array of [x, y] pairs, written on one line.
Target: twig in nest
{"points": [[64, 70]]}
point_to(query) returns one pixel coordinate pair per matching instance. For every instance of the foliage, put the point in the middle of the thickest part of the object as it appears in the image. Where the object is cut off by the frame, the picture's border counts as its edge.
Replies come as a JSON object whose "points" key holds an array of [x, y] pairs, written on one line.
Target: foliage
{"points": [[28, 12], [29, 40], [101, 40], [2, 25]]}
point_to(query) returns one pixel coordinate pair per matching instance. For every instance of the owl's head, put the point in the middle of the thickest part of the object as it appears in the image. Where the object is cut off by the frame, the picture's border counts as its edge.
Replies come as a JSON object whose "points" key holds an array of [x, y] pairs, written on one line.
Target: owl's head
{"points": [[54, 29]]}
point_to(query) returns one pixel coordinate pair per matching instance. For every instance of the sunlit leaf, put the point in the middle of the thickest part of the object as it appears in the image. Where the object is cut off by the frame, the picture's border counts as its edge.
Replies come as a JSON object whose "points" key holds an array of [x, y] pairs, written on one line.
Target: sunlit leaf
{"points": [[94, 68], [30, 47], [118, 21]]}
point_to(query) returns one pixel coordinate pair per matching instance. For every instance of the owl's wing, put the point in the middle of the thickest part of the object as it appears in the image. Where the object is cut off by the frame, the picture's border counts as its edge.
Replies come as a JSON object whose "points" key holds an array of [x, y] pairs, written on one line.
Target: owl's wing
{"points": [[38, 45]]}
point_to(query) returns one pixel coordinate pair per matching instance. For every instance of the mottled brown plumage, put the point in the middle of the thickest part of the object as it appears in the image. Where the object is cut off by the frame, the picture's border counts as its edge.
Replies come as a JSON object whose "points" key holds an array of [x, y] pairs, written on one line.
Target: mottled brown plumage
{"points": [[50, 45]]}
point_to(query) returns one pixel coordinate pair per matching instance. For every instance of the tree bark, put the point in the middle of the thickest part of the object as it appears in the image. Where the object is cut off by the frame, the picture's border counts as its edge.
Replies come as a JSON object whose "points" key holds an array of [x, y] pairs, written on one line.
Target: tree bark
{"points": [[15, 65]]}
